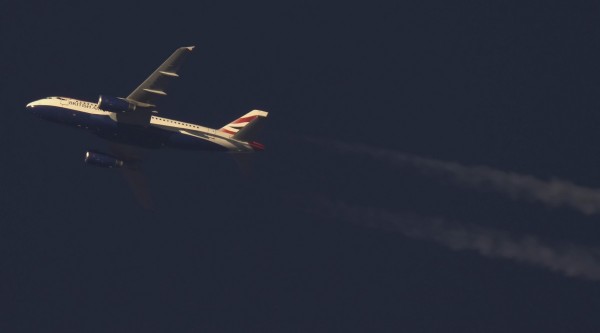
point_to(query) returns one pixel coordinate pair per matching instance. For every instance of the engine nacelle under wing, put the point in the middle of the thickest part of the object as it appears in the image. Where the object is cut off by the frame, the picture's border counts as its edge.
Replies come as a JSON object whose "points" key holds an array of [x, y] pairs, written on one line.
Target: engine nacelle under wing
{"points": [[102, 160], [115, 104]]}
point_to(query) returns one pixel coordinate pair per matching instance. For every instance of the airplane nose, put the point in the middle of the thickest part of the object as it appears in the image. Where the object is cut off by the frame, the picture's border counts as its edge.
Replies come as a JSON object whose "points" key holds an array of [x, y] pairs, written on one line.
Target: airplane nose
{"points": [[31, 107]]}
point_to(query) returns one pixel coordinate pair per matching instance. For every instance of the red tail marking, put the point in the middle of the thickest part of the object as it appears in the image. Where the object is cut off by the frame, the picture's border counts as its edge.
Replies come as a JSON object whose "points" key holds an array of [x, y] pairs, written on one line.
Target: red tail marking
{"points": [[227, 131], [244, 119], [256, 145]]}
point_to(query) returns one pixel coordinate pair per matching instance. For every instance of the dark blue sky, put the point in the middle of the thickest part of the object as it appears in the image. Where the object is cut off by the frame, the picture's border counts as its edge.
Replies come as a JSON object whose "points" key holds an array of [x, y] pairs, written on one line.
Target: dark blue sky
{"points": [[514, 86]]}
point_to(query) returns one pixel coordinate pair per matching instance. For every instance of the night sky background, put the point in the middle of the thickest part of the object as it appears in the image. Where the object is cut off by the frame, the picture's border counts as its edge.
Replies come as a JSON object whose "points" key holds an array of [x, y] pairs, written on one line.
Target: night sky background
{"points": [[511, 85]]}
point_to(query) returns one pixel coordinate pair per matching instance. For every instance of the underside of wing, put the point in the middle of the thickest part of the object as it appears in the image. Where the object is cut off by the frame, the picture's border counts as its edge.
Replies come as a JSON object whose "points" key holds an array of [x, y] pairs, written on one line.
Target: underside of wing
{"points": [[133, 173], [155, 85]]}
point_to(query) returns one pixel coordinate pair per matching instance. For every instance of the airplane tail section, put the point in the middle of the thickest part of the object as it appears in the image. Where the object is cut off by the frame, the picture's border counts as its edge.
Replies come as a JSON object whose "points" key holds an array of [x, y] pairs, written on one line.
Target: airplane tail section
{"points": [[246, 127]]}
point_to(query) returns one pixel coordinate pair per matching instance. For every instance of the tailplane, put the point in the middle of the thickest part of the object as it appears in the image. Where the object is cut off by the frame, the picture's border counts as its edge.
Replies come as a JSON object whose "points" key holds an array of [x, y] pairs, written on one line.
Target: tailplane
{"points": [[246, 127]]}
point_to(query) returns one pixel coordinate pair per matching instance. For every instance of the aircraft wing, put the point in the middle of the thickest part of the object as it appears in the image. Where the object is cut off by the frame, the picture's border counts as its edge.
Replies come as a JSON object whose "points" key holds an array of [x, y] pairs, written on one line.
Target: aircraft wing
{"points": [[133, 173], [154, 86]]}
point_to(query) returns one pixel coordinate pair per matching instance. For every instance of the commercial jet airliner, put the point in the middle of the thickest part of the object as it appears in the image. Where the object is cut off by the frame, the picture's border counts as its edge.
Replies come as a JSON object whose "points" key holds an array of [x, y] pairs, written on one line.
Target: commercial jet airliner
{"points": [[133, 121]]}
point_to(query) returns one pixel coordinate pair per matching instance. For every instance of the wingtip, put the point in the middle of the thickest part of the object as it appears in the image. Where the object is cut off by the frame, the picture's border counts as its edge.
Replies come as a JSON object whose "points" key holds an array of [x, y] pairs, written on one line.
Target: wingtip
{"points": [[190, 48]]}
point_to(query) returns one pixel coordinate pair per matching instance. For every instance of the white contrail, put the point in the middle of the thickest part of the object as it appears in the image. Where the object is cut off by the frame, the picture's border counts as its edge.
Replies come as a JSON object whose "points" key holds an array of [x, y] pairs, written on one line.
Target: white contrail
{"points": [[570, 260], [552, 193]]}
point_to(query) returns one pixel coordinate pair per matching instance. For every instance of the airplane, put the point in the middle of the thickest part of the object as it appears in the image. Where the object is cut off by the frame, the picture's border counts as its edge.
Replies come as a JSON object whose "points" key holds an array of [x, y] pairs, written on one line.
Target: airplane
{"points": [[132, 122]]}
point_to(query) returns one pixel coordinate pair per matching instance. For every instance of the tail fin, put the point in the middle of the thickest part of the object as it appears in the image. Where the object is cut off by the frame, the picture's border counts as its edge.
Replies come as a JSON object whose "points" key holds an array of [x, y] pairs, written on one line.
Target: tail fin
{"points": [[246, 127]]}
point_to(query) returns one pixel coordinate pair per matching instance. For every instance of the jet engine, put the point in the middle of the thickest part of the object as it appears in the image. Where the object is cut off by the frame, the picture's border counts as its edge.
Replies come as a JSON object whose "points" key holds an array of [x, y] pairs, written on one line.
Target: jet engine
{"points": [[102, 160], [115, 104]]}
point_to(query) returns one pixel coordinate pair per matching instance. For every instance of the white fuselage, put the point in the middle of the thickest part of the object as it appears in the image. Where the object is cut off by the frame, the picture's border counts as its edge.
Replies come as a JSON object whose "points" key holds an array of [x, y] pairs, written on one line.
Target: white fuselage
{"points": [[158, 132]]}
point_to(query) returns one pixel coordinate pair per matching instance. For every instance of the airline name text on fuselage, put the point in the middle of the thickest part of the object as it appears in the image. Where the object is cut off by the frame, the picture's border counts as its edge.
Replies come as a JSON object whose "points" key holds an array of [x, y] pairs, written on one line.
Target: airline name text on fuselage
{"points": [[83, 104]]}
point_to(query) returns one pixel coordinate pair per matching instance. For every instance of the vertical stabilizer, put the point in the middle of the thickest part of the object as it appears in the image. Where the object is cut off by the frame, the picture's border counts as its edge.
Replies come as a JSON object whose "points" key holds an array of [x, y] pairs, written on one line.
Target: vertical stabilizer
{"points": [[246, 127]]}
